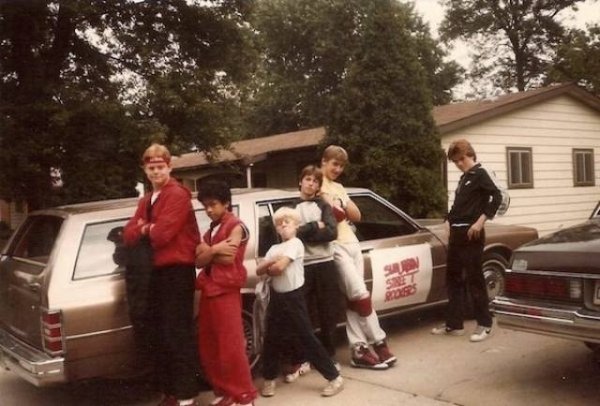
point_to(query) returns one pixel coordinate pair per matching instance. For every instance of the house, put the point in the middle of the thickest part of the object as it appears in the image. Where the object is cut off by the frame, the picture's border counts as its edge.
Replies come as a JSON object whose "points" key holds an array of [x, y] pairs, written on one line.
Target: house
{"points": [[543, 144]]}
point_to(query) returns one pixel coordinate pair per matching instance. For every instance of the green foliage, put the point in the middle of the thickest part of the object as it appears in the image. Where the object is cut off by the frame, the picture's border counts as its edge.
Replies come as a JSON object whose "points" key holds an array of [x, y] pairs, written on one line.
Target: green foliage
{"points": [[512, 41], [383, 115], [86, 85], [307, 48], [578, 59]]}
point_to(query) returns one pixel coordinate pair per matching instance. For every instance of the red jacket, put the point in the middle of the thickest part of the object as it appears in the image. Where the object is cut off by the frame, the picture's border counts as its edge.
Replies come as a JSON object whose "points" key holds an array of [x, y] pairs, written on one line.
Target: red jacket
{"points": [[174, 235], [224, 278]]}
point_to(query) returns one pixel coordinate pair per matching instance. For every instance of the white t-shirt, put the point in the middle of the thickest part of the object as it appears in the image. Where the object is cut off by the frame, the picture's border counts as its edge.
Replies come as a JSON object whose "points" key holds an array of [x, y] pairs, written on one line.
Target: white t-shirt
{"points": [[292, 277]]}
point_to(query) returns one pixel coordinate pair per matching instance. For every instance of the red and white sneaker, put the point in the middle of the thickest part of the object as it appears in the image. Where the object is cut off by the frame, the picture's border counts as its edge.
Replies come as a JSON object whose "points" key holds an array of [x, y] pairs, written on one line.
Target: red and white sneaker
{"points": [[383, 352], [362, 357]]}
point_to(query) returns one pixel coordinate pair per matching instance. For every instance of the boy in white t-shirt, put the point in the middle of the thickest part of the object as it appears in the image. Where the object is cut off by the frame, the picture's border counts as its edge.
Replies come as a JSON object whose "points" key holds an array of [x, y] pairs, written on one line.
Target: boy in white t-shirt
{"points": [[287, 315]]}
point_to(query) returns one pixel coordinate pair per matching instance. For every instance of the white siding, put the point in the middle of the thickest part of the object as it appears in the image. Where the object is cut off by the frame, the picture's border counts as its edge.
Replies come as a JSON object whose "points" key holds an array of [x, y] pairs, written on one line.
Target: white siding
{"points": [[551, 129]]}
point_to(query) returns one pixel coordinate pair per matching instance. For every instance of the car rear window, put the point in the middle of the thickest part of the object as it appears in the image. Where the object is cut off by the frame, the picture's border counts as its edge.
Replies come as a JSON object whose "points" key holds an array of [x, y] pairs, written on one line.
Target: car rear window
{"points": [[36, 237], [101, 250]]}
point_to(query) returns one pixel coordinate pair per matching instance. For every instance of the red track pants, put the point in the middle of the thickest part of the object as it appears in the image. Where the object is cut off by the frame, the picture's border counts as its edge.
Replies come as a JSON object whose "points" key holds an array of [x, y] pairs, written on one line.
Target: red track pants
{"points": [[222, 347]]}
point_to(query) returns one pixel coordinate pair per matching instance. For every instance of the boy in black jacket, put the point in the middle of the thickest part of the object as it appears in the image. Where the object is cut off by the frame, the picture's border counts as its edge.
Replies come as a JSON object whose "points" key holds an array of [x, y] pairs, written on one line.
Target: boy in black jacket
{"points": [[476, 200]]}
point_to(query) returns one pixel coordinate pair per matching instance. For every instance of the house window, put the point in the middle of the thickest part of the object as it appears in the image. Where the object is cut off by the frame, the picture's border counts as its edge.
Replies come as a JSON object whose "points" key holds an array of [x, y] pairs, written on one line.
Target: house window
{"points": [[520, 168], [583, 167]]}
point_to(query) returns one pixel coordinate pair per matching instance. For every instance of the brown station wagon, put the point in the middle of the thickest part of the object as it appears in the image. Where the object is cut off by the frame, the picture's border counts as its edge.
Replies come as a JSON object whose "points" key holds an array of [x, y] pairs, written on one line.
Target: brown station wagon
{"points": [[63, 308]]}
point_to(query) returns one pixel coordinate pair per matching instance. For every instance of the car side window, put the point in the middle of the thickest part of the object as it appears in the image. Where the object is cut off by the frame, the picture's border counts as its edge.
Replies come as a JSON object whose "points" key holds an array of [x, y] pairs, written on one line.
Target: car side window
{"points": [[379, 220], [267, 235], [101, 251], [36, 238]]}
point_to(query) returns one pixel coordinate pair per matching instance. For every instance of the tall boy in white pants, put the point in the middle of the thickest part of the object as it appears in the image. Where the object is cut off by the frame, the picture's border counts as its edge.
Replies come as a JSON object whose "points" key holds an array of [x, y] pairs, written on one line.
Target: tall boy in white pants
{"points": [[362, 323]]}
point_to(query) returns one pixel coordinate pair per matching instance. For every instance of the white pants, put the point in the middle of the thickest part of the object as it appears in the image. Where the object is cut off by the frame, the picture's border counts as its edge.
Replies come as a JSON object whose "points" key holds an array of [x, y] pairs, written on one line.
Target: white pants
{"points": [[349, 263]]}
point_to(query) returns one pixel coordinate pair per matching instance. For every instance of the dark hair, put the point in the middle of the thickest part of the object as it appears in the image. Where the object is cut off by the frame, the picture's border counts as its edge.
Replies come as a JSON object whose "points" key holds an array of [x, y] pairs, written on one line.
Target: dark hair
{"points": [[311, 170], [215, 189]]}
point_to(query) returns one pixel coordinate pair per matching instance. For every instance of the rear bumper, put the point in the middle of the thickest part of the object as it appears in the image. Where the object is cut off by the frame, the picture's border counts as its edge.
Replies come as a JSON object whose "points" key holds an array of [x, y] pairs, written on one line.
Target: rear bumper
{"points": [[567, 322], [30, 363]]}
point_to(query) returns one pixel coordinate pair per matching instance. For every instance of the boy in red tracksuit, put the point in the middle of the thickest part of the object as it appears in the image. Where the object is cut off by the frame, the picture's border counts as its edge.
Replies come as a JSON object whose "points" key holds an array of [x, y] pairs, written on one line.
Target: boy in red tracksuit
{"points": [[221, 336]]}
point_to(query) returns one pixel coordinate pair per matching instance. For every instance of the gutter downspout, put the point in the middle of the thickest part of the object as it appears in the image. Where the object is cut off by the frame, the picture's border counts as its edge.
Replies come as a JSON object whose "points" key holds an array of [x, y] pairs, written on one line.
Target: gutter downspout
{"points": [[249, 175]]}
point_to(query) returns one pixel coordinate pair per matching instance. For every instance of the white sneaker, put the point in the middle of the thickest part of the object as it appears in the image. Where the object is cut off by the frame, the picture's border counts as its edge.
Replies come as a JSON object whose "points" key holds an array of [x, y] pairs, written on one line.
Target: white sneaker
{"points": [[216, 400], [444, 330], [480, 334], [333, 387], [268, 388], [299, 370]]}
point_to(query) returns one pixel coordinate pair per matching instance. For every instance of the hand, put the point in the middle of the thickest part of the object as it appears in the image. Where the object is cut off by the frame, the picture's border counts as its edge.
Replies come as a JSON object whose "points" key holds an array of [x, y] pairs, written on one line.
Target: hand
{"points": [[474, 231]]}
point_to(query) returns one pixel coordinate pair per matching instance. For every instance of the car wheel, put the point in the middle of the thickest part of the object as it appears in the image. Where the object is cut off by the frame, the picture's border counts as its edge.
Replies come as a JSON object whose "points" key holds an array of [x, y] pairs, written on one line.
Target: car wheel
{"points": [[248, 324], [494, 265]]}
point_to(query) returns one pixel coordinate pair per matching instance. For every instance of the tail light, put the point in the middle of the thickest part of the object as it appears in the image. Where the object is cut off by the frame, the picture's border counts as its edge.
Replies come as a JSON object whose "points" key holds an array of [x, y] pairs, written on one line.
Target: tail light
{"points": [[52, 334], [544, 287]]}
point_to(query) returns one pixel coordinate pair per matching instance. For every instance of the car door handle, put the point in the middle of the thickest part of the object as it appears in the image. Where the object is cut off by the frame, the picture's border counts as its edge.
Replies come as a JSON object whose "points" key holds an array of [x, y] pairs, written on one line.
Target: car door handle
{"points": [[34, 286]]}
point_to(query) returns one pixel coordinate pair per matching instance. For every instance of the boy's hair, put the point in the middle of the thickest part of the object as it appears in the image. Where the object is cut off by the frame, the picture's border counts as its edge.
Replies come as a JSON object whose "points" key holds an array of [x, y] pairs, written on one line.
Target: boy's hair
{"points": [[156, 153], [215, 189], [335, 152], [286, 212], [460, 148], [311, 170]]}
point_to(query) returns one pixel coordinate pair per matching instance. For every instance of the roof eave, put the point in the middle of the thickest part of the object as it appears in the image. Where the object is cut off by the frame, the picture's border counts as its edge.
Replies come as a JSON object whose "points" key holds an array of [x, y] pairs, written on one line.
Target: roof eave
{"points": [[571, 89]]}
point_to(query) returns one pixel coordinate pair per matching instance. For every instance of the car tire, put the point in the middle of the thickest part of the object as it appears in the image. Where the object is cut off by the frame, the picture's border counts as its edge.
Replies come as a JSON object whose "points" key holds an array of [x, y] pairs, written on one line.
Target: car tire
{"points": [[248, 324], [493, 266]]}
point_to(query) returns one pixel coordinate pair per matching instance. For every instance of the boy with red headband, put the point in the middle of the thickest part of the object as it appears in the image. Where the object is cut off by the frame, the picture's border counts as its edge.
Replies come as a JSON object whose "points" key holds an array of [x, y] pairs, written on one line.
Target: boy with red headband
{"points": [[165, 217]]}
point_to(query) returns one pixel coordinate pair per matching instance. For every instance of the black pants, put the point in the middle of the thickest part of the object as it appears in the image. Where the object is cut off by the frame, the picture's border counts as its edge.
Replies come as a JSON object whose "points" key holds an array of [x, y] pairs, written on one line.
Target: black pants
{"points": [[172, 339], [322, 287], [287, 316], [463, 268]]}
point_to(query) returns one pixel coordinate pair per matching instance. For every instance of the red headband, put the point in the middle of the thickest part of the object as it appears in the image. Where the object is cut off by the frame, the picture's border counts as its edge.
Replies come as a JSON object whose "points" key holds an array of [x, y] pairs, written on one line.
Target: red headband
{"points": [[156, 160]]}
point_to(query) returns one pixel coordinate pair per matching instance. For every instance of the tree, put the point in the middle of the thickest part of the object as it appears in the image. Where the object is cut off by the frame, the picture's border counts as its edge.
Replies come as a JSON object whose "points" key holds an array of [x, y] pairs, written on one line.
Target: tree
{"points": [[383, 114], [512, 41], [306, 47], [578, 59], [85, 85]]}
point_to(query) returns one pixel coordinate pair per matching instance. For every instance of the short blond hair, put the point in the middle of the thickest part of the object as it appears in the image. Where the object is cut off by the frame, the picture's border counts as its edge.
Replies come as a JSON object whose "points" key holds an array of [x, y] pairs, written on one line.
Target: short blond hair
{"points": [[286, 213], [335, 152], [156, 152]]}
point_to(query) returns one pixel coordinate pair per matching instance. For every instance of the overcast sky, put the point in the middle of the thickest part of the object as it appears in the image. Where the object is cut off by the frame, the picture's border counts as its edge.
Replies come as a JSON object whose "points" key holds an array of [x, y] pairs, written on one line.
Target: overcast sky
{"points": [[433, 12]]}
